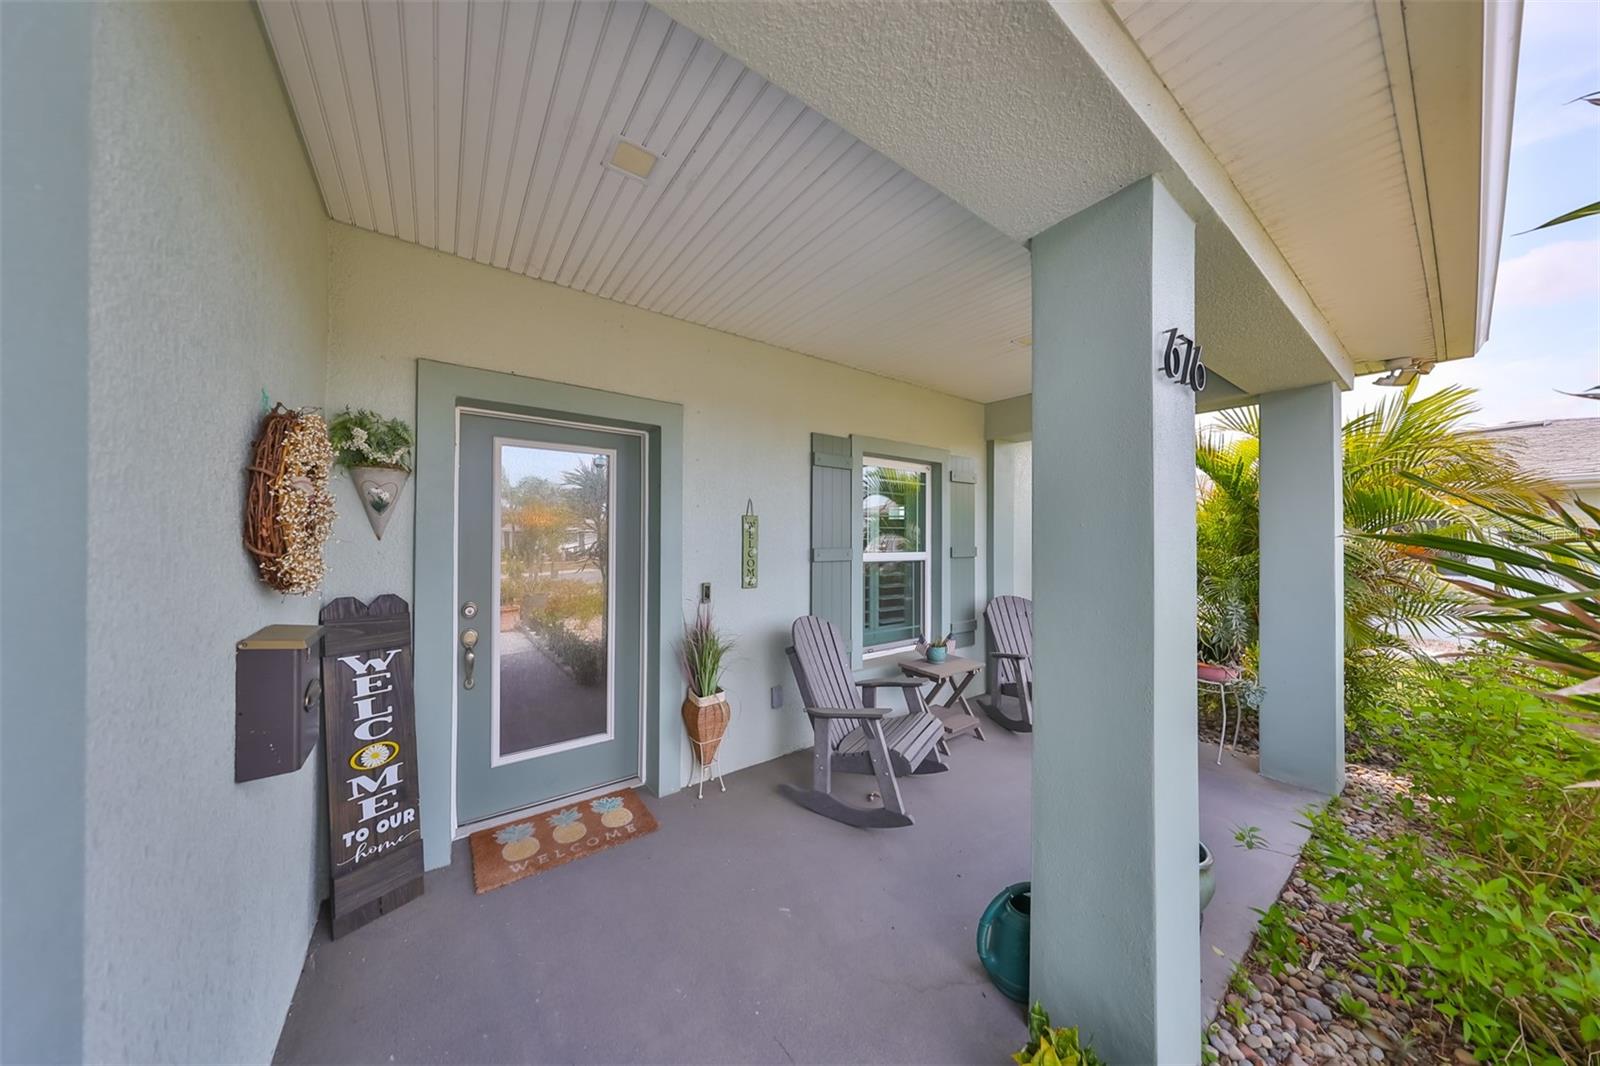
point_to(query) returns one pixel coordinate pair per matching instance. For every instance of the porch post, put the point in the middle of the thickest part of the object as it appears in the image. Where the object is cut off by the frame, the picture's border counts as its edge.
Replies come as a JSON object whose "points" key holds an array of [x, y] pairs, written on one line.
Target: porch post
{"points": [[45, 160], [1115, 944], [1302, 588], [1003, 514]]}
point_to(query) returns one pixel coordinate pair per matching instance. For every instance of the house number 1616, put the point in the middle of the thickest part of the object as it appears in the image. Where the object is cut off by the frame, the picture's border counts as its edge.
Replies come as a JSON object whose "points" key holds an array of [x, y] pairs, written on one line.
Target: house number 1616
{"points": [[1180, 360]]}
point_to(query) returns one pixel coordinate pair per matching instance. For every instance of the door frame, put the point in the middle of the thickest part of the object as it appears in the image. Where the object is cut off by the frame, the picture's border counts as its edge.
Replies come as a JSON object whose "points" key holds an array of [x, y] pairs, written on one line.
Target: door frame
{"points": [[443, 389]]}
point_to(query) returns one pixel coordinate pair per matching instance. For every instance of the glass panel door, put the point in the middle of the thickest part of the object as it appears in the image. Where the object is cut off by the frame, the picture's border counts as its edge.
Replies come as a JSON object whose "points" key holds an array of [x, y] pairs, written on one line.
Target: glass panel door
{"points": [[550, 571]]}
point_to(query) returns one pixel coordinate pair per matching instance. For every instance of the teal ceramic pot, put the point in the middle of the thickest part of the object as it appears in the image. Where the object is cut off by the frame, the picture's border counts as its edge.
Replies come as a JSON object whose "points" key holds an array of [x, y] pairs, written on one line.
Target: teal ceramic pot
{"points": [[1208, 877], [1003, 941], [937, 655]]}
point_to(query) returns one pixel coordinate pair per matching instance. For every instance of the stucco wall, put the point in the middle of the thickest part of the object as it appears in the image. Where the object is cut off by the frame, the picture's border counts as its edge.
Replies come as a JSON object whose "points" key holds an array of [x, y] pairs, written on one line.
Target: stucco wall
{"points": [[208, 280], [749, 410]]}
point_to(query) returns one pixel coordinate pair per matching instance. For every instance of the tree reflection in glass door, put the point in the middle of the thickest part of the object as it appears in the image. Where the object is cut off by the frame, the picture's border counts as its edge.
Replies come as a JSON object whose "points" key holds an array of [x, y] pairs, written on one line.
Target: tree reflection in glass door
{"points": [[553, 676]]}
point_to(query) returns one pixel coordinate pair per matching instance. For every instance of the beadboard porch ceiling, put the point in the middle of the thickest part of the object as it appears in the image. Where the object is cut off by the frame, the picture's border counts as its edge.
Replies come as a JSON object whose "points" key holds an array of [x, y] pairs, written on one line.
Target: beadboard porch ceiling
{"points": [[483, 130], [856, 180]]}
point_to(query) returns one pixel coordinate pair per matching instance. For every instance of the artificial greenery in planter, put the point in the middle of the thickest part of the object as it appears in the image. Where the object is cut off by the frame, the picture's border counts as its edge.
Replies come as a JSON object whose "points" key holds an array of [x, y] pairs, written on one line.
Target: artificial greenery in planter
{"points": [[377, 453], [704, 653]]}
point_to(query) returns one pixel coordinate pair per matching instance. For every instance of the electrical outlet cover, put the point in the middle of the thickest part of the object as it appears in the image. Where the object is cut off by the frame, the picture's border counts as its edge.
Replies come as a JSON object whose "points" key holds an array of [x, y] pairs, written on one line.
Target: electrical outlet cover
{"points": [[777, 697]]}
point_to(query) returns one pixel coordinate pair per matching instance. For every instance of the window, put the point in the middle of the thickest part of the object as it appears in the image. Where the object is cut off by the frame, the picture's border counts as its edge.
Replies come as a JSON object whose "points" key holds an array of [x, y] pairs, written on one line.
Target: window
{"points": [[895, 561]]}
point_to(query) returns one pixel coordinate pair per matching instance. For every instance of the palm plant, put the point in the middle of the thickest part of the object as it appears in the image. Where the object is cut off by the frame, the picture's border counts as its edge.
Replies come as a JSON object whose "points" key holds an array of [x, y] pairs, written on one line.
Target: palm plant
{"points": [[1228, 547], [1533, 585], [1587, 210], [588, 494], [1409, 465]]}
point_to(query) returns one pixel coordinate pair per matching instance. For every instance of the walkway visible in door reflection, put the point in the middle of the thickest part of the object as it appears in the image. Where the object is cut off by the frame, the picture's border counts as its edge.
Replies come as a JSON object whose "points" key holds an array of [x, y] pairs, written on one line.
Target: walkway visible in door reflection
{"points": [[541, 702]]}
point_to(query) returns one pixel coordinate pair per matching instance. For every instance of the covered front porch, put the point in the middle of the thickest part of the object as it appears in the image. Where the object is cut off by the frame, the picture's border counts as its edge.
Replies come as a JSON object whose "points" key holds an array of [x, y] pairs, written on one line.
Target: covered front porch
{"points": [[746, 254], [748, 930]]}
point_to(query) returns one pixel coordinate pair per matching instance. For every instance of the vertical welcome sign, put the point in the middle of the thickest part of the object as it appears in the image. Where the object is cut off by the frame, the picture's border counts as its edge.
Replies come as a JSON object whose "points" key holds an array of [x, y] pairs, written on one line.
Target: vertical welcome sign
{"points": [[370, 738]]}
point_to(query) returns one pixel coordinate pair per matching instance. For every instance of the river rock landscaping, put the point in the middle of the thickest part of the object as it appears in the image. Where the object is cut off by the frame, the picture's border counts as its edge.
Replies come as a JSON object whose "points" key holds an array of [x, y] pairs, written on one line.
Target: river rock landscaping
{"points": [[1324, 1007]]}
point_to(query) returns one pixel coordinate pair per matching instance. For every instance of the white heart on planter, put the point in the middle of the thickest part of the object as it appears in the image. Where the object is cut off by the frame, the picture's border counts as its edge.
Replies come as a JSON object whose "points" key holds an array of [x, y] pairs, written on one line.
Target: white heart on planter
{"points": [[379, 488]]}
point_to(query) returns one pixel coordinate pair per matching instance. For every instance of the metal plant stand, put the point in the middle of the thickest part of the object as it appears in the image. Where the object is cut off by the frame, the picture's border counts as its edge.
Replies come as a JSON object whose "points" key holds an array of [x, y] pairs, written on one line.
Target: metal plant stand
{"points": [[714, 767]]}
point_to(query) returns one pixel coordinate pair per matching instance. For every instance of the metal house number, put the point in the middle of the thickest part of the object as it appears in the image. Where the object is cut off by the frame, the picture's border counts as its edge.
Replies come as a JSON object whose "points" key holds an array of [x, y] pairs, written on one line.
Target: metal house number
{"points": [[1180, 361]]}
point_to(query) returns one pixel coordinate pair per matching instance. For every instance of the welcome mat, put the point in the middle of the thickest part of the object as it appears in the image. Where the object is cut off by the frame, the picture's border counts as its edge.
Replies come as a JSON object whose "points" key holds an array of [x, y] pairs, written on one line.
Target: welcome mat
{"points": [[542, 842]]}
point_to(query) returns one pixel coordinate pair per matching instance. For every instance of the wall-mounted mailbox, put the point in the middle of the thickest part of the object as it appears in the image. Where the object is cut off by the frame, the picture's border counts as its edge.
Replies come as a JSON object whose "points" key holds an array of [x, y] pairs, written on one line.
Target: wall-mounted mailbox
{"points": [[277, 693]]}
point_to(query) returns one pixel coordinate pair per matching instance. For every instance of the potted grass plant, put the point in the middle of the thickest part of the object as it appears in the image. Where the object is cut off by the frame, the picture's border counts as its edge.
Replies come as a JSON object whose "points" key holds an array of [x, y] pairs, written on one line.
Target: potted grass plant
{"points": [[704, 653], [938, 649]]}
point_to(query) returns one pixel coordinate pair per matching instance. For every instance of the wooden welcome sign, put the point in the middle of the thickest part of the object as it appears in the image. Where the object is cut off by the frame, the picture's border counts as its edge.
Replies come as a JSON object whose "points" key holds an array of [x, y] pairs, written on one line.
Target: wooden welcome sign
{"points": [[370, 739]]}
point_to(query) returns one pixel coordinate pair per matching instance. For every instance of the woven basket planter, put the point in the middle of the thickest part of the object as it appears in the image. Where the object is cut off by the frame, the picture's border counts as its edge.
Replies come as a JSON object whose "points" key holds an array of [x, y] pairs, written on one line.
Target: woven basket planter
{"points": [[706, 720]]}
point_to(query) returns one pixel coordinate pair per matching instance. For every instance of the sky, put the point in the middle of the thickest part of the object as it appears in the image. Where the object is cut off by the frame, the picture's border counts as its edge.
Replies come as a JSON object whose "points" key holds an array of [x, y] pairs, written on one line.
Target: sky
{"points": [[518, 462], [1545, 330]]}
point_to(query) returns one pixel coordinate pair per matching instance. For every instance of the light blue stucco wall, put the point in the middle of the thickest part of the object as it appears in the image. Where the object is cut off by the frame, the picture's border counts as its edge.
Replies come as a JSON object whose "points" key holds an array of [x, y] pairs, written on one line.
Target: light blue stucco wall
{"points": [[208, 271], [749, 410]]}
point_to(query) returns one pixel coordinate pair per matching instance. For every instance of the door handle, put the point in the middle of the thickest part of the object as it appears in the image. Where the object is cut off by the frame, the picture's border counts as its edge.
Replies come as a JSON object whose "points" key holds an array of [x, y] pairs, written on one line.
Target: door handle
{"points": [[469, 641]]}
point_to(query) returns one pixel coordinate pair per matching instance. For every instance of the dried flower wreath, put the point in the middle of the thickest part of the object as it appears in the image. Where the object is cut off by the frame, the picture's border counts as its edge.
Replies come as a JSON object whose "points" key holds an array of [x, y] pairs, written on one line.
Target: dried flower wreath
{"points": [[288, 509]]}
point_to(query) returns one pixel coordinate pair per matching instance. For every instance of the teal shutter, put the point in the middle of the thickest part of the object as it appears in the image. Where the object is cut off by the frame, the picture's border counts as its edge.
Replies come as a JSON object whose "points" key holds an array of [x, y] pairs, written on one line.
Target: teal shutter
{"points": [[833, 496], [963, 570]]}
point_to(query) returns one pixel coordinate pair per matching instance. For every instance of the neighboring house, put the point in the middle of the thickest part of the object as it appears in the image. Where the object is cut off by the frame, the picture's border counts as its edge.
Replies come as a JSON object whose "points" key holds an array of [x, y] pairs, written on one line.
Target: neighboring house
{"points": [[747, 250], [1563, 451]]}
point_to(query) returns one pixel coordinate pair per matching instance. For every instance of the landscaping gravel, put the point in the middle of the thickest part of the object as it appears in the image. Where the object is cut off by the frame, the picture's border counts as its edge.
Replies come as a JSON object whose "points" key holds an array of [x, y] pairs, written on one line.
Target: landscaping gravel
{"points": [[1327, 1009]]}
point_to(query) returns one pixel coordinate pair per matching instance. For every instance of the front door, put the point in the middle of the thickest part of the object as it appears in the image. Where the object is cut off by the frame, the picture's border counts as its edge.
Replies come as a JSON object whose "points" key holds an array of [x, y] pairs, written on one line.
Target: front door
{"points": [[550, 556]]}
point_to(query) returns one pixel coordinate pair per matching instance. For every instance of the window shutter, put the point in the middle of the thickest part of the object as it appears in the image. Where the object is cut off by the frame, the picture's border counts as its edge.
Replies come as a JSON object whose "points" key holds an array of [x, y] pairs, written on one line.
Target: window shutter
{"points": [[963, 569], [833, 493]]}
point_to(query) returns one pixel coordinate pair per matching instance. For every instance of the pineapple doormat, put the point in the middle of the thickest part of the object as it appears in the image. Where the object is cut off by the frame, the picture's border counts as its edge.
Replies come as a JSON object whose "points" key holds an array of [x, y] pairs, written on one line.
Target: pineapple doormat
{"points": [[542, 842]]}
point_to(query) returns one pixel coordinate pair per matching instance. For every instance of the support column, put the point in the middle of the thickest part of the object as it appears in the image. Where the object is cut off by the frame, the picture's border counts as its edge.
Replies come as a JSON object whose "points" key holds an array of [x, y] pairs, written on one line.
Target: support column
{"points": [[1115, 945], [1011, 519], [1302, 588], [45, 161]]}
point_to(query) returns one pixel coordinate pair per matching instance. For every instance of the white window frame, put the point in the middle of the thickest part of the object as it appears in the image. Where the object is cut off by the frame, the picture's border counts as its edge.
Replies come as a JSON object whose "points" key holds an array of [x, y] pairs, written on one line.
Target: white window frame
{"points": [[925, 556]]}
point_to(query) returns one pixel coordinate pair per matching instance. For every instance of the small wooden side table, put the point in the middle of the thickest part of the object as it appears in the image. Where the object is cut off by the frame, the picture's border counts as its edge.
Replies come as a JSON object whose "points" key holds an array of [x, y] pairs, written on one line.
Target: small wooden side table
{"points": [[955, 712]]}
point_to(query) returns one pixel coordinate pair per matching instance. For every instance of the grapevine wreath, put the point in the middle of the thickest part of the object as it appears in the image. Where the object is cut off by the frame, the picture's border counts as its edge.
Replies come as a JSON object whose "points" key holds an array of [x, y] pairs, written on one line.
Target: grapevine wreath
{"points": [[288, 509]]}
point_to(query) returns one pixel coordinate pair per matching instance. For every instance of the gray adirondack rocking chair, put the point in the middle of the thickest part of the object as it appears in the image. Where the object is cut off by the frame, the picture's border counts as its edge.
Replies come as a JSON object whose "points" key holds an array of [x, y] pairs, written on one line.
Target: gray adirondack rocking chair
{"points": [[1010, 700], [852, 735]]}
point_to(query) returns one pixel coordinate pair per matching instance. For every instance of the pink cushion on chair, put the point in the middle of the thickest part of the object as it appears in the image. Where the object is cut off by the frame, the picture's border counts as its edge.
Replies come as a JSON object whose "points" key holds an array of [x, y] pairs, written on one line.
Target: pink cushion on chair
{"points": [[1216, 674]]}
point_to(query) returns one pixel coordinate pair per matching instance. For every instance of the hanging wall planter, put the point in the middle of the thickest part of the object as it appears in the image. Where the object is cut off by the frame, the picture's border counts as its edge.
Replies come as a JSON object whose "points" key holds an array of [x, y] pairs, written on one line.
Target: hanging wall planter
{"points": [[377, 453], [379, 488]]}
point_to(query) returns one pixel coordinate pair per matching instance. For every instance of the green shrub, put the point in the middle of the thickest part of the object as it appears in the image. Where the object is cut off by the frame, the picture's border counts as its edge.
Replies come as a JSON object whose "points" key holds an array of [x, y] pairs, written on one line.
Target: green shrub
{"points": [[583, 658], [565, 601], [1492, 903], [1049, 1046]]}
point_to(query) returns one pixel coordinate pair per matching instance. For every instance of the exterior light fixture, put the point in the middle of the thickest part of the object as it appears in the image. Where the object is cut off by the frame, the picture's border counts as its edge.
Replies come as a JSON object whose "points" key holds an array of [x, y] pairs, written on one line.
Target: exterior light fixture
{"points": [[632, 160], [1403, 371]]}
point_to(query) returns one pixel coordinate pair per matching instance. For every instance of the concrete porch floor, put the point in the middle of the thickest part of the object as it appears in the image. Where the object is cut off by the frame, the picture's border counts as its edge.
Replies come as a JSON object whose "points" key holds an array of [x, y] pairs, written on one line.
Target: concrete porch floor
{"points": [[748, 930]]}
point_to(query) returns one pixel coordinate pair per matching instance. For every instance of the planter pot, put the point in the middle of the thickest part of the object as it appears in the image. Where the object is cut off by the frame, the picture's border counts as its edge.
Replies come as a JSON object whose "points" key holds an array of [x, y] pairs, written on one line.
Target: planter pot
{"points": [[1003, 940], [1208, 877], [705, 718], [1215, 674], [509, 614], [379, 488], [937, 655]]}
